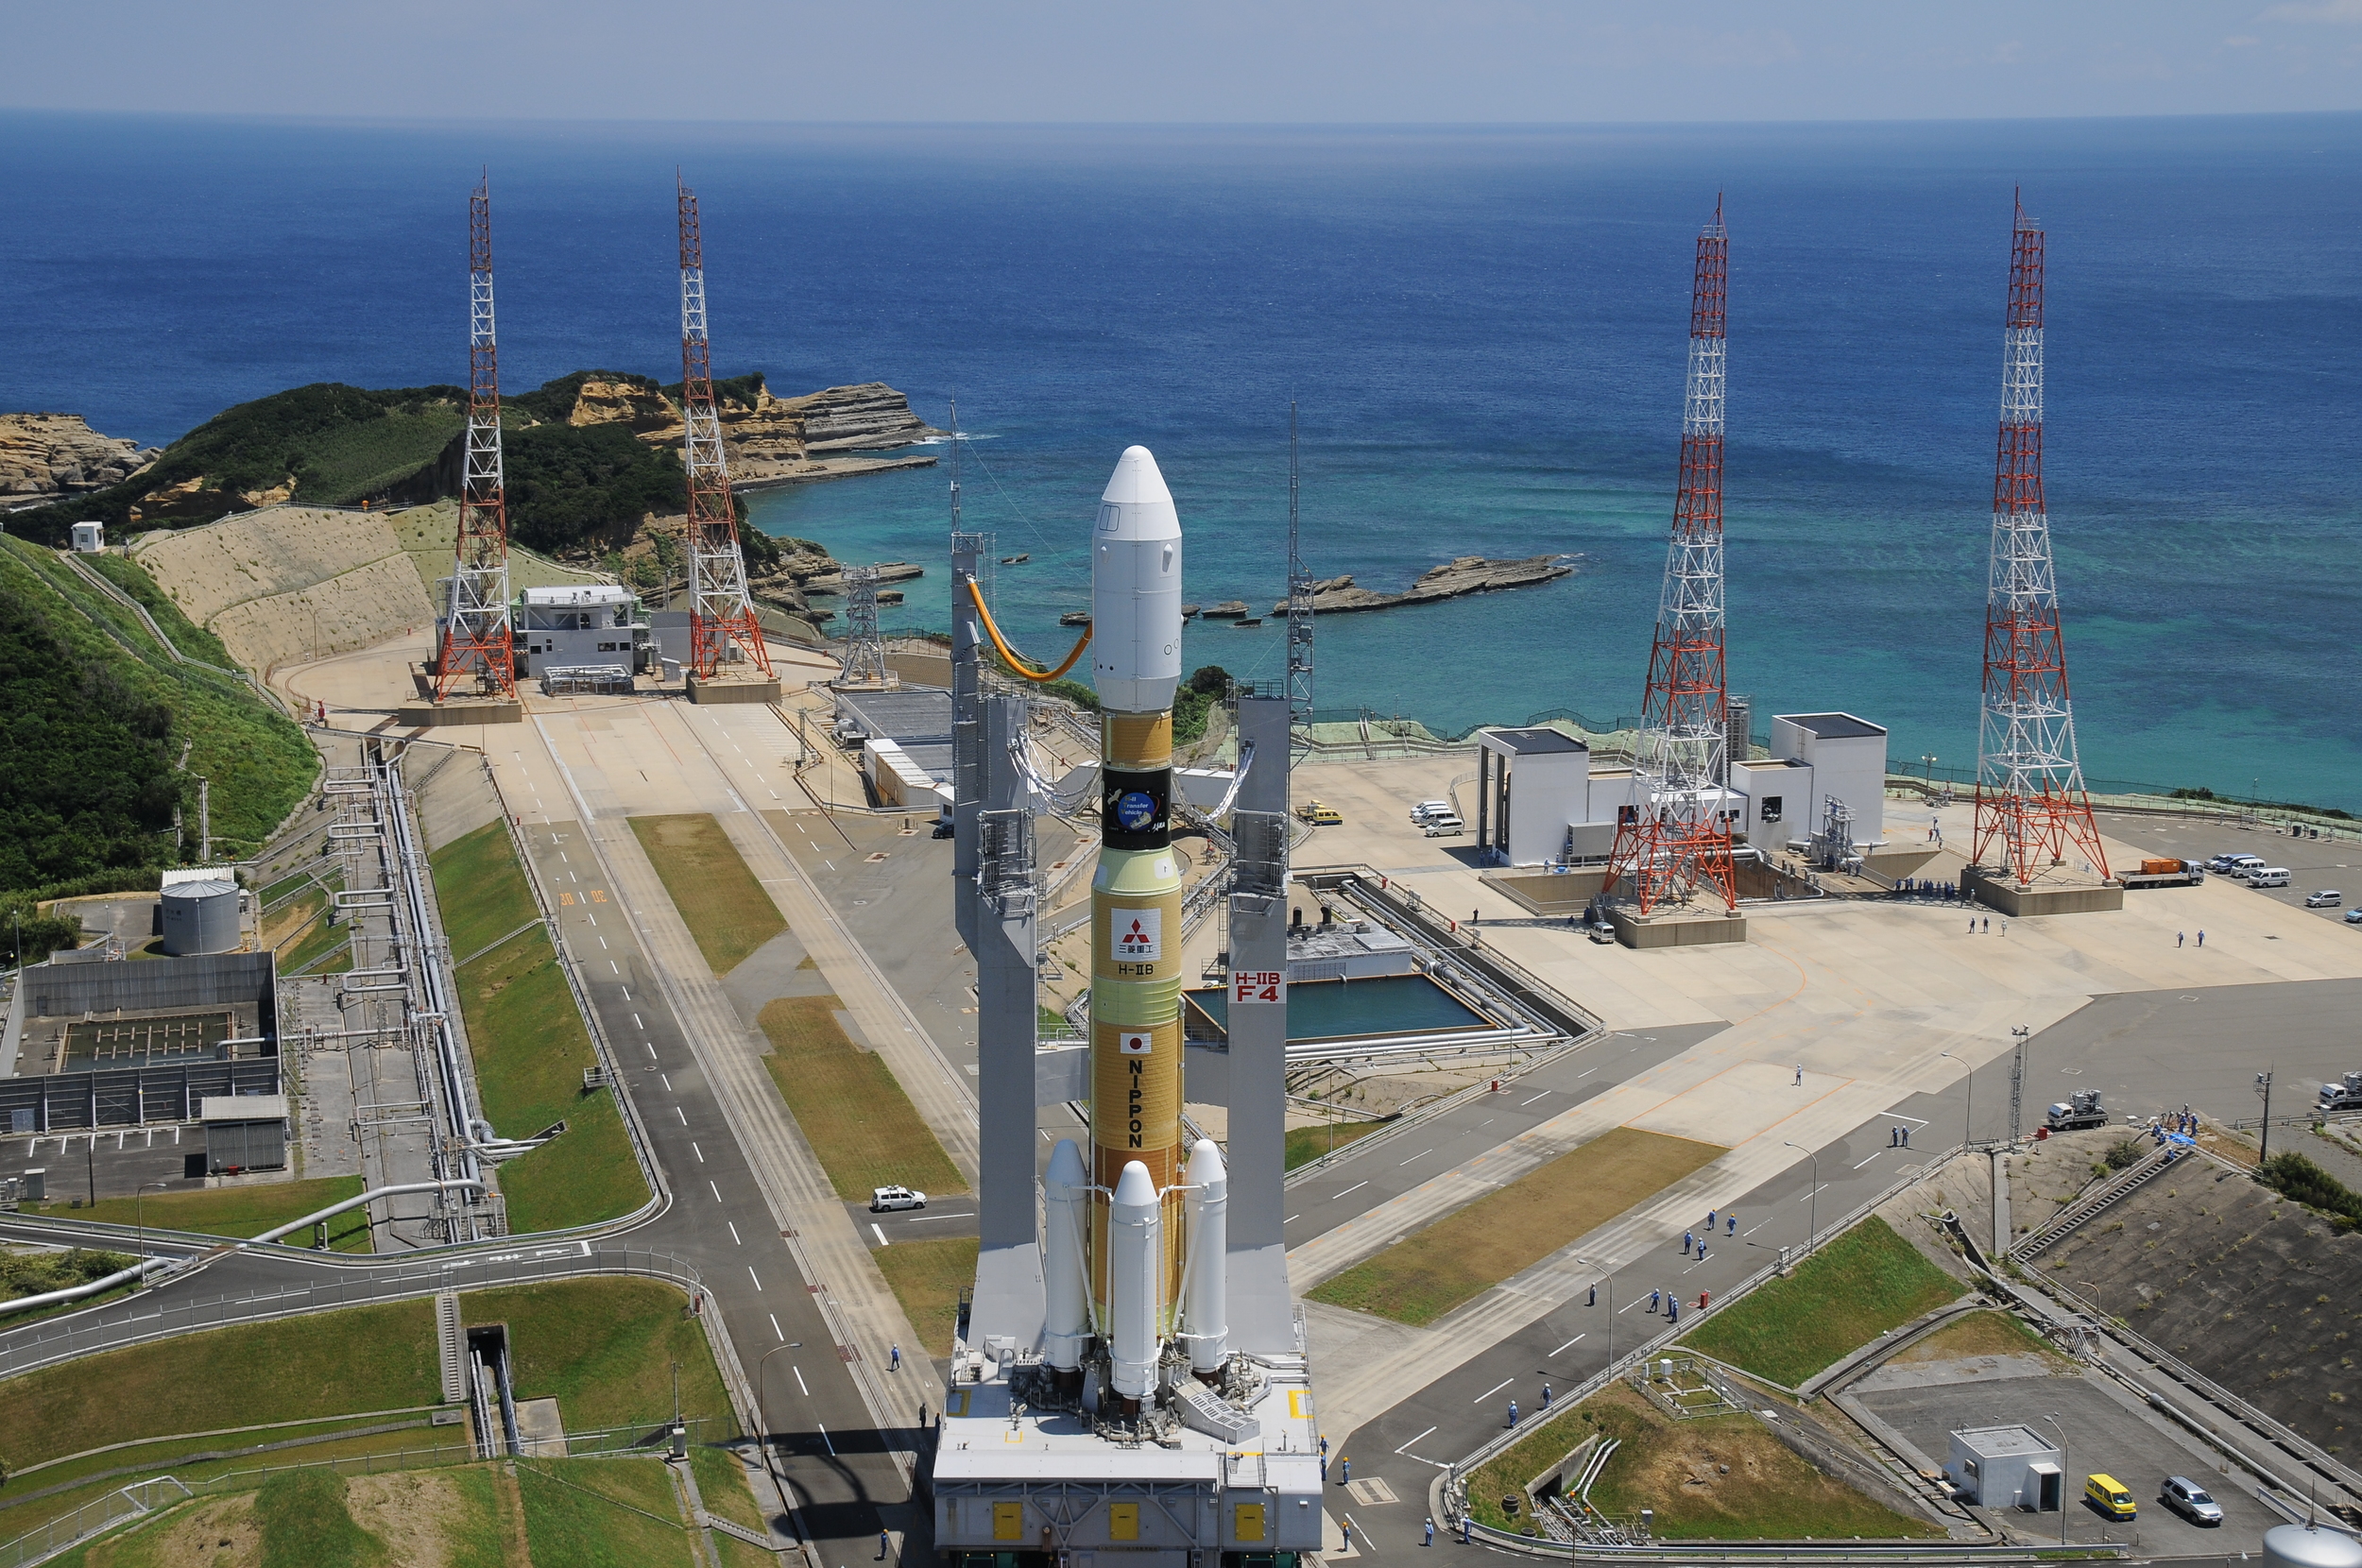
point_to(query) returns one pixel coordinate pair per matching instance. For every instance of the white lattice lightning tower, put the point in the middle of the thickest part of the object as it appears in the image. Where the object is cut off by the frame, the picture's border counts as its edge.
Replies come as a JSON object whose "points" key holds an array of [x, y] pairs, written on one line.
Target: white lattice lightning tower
{"points": [[476, 642]]}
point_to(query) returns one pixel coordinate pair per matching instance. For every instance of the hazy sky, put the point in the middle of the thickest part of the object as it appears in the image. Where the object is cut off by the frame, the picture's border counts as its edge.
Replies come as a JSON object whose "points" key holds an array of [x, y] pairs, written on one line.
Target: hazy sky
{"points": [[1202, 60]]}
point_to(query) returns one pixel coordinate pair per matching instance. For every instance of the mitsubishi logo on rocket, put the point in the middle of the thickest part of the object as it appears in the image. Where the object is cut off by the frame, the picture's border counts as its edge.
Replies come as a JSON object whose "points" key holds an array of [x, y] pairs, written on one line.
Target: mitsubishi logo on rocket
{"points": [[1138, 933]]}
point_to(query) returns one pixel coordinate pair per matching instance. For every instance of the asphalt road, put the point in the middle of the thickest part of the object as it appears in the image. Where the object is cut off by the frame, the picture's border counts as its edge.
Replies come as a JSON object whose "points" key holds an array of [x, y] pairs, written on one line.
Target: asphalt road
{"points": [[942, 1217], [2313, 864]]}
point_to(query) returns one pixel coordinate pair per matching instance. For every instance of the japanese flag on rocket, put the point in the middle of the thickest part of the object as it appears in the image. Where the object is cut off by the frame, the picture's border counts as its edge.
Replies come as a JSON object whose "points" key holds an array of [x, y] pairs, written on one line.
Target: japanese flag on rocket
{"points": [[1139, 934], [1136, 1044]]}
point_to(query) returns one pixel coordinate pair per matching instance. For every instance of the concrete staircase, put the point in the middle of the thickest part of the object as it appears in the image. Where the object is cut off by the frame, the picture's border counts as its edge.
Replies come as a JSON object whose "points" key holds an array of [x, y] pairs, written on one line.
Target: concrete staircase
{"points": [[451, 1344]]}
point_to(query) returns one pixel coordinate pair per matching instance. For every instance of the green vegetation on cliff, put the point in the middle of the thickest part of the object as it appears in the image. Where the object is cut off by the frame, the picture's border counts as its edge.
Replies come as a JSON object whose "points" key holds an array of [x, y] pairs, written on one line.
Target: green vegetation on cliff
{"points": [[568, 482], [102, 734]]}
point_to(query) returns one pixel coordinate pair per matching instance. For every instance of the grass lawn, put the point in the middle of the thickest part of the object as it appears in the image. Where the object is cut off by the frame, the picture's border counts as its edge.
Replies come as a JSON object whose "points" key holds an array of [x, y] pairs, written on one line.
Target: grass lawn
{"points": [[928, 1277], [605, 1348], [1854, 1289], [851, 1110], [303, 944], [595, 1513], [727, 910], [481, 889], [722, 1485], [1427, 1275], [1982, 1334], [240, 1211], [530, 1047], [1307, 1144], [1676, 1468], [305, 1524], [322, 1364]]}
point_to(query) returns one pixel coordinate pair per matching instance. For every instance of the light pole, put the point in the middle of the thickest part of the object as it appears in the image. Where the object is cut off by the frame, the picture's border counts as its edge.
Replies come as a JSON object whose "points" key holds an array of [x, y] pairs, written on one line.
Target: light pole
{"points": [[1812, 1210], [2264, 1087], [763, 1413], [1969, 1116], [1609, 1279], [2063, 1479], [139, 1227]]}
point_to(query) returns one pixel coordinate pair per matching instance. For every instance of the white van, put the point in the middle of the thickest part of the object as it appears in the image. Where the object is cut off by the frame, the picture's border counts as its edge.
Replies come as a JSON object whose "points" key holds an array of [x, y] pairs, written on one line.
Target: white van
{"points": [[2268, 876], [1444, 825], [1427, 809], [2240, 866]]}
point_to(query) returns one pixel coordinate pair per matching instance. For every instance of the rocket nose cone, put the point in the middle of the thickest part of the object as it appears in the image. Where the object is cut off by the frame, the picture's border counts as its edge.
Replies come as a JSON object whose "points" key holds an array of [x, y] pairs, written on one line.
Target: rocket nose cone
{"points": [[1136, 1186], [1205, 1166], [1137, 480], [1066, 1166]]}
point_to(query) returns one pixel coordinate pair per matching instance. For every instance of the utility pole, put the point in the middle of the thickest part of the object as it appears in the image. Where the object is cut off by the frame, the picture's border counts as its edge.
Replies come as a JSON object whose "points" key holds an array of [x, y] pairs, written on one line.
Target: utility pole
{"points": [[2031, 806], [1674, 840], [721, 616], [2018, 1083], [204, 821], [2264, 1087], [477, 642]]}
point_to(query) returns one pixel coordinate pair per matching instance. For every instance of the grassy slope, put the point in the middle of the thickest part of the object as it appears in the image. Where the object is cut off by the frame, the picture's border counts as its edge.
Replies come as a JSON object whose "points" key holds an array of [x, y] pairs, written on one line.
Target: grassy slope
{"points": [[1419, 1279], [858, 1120], [573, 1515], [927, 1278], [1867, 1281], [726, 908], [1674, 1468], [722, 1485], [193, 641], [306, 1524], [530, 1046], [327, 1364], [241, 1211], [604, 1348], [1307, 1144], [260, 764]]}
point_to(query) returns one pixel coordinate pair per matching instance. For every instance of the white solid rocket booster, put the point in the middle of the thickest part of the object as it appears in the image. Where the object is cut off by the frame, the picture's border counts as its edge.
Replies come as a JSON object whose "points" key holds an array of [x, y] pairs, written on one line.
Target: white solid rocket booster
{"points": [[1065, 1286], [1135, 1253], [1206, 1311]]}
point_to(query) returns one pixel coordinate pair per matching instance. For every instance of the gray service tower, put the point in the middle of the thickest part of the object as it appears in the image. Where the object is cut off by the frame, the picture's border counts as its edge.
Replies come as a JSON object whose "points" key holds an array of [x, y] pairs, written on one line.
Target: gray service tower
{"points": [[1130, 1383]]}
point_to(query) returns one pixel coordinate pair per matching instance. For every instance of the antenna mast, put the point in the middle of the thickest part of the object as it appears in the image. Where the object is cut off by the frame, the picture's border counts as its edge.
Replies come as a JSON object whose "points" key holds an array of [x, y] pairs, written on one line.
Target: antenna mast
{"points": [[1674, 839], [2031, 803], [1299, 607], [476, 642], [721, 616]]}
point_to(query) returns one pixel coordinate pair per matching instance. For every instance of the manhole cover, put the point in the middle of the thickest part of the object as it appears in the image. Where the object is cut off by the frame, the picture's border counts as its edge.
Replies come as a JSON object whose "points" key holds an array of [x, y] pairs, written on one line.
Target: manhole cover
{"points": [[873, 859]]}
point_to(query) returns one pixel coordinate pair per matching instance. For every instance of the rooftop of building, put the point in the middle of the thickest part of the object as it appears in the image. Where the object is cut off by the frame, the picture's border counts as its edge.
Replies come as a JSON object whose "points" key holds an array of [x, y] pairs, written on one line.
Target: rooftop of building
{"points": [[1341, 939], [1832, 727], [1994, 1442], [593, 593], [982, 1440], [911, 716], [1530, 742]]}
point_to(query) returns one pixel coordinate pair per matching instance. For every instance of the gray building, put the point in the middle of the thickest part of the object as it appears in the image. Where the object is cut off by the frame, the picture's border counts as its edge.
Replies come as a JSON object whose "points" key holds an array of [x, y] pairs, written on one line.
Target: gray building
{"points": [[243, 1132], [2007, 1467], [583, 628]]}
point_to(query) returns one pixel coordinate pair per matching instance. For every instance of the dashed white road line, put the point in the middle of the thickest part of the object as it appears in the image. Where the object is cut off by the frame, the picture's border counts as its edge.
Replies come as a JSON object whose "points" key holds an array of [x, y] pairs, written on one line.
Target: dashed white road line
{"points": [[1356, 1188], [683, 1114], [1494, 1390], [752, 1275], [717, 1191], [733, 1233], [774, 1326], [799, 1380], [879, 1234], [1568, 1345]]}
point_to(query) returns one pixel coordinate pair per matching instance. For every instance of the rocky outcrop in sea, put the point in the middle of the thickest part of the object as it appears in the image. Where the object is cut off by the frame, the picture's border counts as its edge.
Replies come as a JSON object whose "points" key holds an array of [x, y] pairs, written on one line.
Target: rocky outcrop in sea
{"points": [[1462, 574]]}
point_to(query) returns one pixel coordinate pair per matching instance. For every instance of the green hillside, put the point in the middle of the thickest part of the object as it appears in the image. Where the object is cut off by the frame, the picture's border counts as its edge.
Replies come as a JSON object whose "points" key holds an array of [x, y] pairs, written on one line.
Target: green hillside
{"points": [[103, 733]]}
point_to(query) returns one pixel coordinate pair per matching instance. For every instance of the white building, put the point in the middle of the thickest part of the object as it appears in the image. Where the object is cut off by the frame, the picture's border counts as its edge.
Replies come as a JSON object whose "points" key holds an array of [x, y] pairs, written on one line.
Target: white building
{"points": [[582, 628], [2007, 1467], [1847, 757], [90, 538]]}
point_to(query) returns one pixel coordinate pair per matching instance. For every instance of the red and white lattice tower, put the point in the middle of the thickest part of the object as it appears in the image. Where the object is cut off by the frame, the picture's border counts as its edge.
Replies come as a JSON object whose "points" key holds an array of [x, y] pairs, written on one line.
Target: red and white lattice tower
{"points": [[721, 615], [475, 620], [2030, 804], [1674, 839]]}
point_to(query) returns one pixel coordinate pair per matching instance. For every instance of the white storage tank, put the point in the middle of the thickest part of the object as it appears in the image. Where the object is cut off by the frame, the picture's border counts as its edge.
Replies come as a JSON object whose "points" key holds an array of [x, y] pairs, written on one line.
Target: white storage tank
{"points": [[2296, 1546], [201, 917]]}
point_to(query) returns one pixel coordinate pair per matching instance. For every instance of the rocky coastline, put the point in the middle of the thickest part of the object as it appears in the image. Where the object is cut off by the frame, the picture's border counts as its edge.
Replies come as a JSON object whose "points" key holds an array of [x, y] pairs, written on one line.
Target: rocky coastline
{"points": [[1456, 578], [47, 457]]}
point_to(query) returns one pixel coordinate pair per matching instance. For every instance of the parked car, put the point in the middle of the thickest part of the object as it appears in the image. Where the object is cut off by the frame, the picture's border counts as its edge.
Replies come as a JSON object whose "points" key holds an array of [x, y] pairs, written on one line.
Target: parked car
{"points": [[2353, 917], [2189, 1499], [2110, 1496], [1320, 816], [885, 1200], [2328, 898], [1444, 826], [2239, 865], [2268, 876], [1427, 809]]}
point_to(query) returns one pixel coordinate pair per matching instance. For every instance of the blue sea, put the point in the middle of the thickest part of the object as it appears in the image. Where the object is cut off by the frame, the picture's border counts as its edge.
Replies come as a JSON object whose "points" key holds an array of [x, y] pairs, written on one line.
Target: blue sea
{"points": [[1483, 330]]}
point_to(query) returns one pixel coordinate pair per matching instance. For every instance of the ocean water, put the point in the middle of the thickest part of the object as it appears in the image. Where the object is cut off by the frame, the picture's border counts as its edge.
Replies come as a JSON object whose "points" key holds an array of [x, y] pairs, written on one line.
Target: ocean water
{"points": [[1484, 328]]}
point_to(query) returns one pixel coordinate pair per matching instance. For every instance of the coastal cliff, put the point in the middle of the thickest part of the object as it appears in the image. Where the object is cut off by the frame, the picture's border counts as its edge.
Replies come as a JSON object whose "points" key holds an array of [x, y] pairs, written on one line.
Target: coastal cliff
{"points": [[59, 455], [1462, 576]]}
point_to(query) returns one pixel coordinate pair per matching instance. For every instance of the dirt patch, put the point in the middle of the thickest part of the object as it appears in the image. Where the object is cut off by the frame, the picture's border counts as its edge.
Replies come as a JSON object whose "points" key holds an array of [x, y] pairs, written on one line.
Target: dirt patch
{"points": [[1981, 1333], [510, 1503], [2256, 1292], [414, 1512], [221, 1533]]}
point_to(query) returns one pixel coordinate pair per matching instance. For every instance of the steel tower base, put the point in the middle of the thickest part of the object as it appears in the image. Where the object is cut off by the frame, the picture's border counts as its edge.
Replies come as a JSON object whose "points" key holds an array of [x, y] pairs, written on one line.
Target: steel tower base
{"points": [[2057, 891], [1678, 926], [461, 711], [734, 688]]}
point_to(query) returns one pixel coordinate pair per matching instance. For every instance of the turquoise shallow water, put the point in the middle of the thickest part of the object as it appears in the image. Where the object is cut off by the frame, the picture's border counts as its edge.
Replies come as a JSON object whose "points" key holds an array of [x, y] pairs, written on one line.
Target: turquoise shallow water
{"points": [[1484, 330]]}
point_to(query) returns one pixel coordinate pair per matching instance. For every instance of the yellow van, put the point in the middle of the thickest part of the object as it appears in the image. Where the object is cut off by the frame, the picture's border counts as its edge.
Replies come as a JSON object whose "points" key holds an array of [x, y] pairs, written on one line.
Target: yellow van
{"points": [[2108, 1494], [1320, 816]]}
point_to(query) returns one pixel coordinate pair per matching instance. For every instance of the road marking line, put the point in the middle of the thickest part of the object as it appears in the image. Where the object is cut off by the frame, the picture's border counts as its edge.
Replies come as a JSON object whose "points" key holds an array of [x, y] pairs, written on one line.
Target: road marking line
{"points": [[1753, 1228], [683, 1114], [1585, 1073], [1874, 1156], [1568, 1343], [1415, 1440], [1628, 1306], [717, 1191], [651, 1045], [752, 1275], [668, 1086], [1291, 1219], [799, 1379], [1536, 1097], [774, 1326], [1494, 1390], [636, 1023], [878, 1231], [824, 1431], [1420, 1155], [700, 1153], [603, 943], [611, 963], [1356, 1188], [733, 1233]]}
